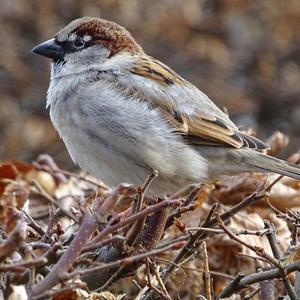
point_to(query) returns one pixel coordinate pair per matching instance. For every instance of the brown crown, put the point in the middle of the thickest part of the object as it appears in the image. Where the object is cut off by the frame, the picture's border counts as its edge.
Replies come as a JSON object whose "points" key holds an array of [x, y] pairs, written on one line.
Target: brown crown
{"points": [[111, 35]]}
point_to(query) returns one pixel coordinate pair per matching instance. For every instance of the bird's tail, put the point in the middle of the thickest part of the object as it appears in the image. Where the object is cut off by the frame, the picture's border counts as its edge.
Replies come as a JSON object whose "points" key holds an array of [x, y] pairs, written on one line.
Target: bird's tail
{"points": [[271, 164], [228, 161]]}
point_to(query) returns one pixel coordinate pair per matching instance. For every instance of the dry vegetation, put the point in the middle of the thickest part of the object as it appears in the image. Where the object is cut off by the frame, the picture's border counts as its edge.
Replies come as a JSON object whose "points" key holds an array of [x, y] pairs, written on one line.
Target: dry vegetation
{"points": [[67, 236]]}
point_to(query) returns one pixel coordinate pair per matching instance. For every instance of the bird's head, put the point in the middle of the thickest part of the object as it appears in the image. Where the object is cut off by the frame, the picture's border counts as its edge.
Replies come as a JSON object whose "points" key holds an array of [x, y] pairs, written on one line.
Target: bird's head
{"points": [[89, 44]]}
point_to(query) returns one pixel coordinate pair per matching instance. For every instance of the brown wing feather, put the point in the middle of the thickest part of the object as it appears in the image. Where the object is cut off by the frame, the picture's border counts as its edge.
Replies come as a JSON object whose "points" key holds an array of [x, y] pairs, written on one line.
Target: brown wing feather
{"points": [[201, 131], [200, 128], [157, 71], [213, 130], [217, 132]]}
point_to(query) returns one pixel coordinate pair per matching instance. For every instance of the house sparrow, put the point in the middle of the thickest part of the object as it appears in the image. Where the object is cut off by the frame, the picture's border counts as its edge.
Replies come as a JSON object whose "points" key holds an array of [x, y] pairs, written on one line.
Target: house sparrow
{"points": [[122, 114]]}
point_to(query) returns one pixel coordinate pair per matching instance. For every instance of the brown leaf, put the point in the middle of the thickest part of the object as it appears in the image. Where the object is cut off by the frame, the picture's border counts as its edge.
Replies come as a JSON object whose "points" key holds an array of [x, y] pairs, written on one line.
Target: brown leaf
{"points": [[277, 142], [66, 295], [15, 195], [283, 196], [231, 190], [202, 196], [11, 170]]}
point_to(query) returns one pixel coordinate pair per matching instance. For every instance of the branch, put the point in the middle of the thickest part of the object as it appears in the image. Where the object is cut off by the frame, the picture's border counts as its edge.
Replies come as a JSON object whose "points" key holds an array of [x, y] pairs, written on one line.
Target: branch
{"points": [[87, 228], [276, 252], [117, 223], [206, 274], [139, 225], [191, 246], [122, 262], [14, 240], [20, 267], [147, 239], [265, 275], [258, 250], [232, 287], [186, 205]]}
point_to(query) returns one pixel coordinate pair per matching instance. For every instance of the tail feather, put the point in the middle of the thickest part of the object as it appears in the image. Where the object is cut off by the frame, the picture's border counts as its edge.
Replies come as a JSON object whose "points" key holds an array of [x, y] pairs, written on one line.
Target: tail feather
{"points": [[228, 161], [271, 164]]}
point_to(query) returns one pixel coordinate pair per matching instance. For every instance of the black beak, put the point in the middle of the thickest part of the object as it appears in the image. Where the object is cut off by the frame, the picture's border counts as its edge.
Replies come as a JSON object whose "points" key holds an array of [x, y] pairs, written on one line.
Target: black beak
{"points": [[50, 49]]}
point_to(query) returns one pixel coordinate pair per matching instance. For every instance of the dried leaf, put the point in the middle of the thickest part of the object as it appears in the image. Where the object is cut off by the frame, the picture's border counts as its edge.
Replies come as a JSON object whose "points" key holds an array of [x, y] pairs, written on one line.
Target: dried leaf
{"points": [[15, 195], [277, 142], [11, 170], [66, 295], [283, 196], [202, 196], [46, 181], [232, 190]]}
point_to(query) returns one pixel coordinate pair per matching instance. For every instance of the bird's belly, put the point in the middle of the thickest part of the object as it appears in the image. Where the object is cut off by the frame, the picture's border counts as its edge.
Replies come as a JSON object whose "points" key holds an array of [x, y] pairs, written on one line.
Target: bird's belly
{"points": [[97, 155], [114, 166], [118, 141]]}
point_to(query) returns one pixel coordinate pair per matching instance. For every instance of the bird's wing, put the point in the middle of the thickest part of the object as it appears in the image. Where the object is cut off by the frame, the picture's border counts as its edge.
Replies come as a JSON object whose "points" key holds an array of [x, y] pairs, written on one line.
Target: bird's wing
{"points": [[189, 111]]}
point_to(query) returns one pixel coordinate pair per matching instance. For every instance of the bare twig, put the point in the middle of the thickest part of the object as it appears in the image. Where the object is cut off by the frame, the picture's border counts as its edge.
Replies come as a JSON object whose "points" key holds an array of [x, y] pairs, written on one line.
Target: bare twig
{"points": [[276, 252], [252, 294], [254, 257], [265, 275], [190, 245], [117, 223], [125, 261], [206, 274], [139, 224], [185, 206], [32, 223], [14, 240], [143, 189], [155, 271], [43, 193], [232, 287], [151, 281], [53, 218], [87, 228], [258, 250], [236, 232], [22, 266]]}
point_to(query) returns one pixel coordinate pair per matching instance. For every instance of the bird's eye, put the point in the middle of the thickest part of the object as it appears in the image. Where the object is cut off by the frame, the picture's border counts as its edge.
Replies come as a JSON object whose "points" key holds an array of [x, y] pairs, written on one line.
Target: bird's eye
{"points": [[79, 43]]}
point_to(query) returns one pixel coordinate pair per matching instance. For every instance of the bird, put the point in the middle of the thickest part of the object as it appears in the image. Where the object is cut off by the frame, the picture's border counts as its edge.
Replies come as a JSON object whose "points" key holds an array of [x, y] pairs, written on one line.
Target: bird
{"points": [[122, 114]]}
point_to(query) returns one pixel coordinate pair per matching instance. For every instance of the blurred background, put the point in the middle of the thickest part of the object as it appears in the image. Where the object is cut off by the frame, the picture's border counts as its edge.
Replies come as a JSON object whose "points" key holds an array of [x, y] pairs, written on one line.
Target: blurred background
{"points": [[244, 54]]}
